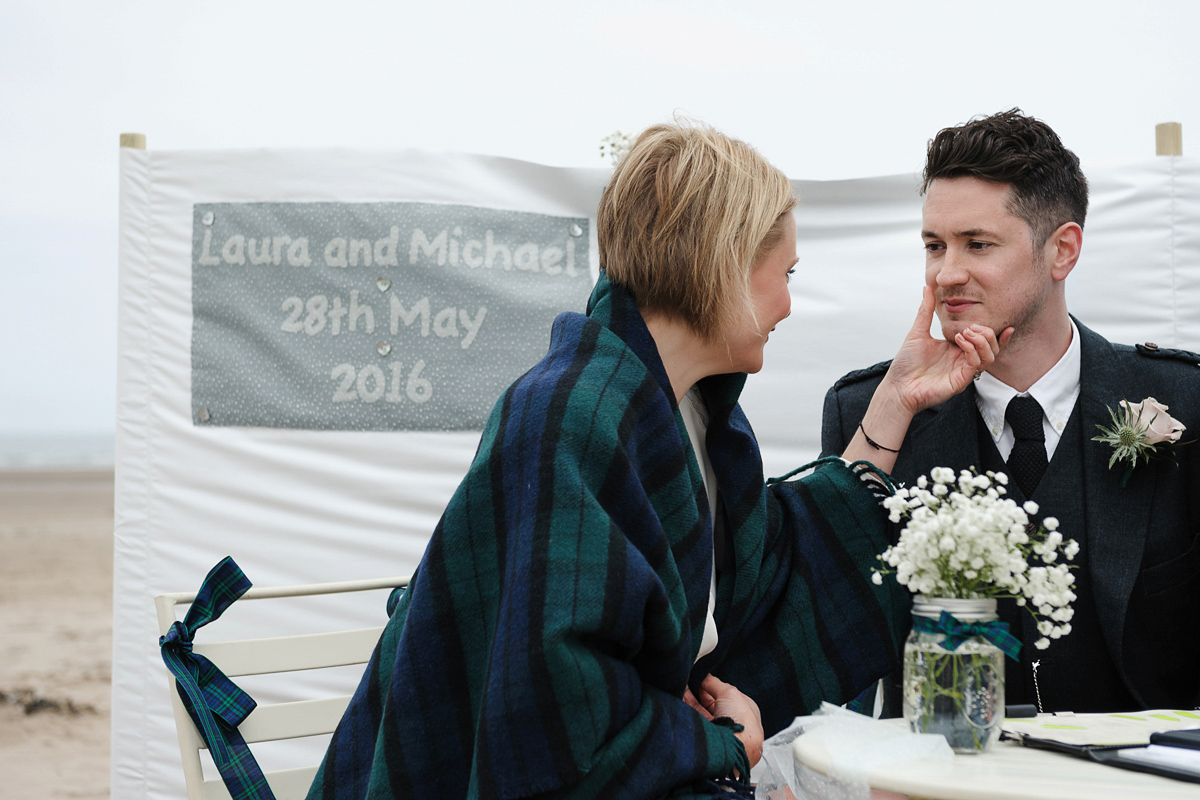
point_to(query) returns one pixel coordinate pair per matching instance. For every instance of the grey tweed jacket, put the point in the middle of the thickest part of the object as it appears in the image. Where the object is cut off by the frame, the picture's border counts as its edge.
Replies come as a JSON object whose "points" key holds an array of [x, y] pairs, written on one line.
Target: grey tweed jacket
{"points": [[1142, 540]]}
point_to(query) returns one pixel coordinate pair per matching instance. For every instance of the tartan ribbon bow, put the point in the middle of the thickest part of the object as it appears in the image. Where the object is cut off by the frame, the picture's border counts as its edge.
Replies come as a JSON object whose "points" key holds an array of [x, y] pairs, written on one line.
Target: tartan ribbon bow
{"points": [[215, 703], [958, 632]]}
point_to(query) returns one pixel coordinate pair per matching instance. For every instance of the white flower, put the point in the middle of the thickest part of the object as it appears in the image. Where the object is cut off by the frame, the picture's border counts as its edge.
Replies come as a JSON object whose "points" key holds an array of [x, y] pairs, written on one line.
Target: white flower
{"points": [[963, 538], [616, 145], [1152, 416], [1042, 644]]}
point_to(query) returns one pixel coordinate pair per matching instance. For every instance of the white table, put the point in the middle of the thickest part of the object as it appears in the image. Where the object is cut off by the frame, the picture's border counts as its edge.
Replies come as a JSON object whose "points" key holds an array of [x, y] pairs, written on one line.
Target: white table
{"points": [[1009, 772]]}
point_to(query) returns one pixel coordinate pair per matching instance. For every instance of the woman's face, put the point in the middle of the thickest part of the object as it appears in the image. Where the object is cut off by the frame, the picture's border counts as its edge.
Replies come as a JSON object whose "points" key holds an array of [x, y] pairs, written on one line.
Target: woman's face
{"points": [[771, 301]]}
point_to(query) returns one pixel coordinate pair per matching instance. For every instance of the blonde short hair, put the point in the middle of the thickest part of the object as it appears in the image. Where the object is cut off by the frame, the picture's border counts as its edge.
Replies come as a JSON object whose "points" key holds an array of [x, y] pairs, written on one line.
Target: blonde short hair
{"points": [[687, 214]]}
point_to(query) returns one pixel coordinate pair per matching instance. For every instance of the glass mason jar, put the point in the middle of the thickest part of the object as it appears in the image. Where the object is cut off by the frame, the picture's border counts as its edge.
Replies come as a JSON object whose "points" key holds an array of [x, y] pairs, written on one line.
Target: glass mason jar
{"points": [[959, 693]]}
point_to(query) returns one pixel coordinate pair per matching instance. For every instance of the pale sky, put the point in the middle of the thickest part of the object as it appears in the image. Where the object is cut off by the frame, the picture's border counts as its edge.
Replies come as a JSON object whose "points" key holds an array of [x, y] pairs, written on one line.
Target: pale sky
{"points": [[826, 91]]}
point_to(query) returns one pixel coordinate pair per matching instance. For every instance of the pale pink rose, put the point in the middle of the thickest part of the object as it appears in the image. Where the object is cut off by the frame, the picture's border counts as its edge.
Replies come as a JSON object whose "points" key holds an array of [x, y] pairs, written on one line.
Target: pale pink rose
{"points": [[1162, 426]]}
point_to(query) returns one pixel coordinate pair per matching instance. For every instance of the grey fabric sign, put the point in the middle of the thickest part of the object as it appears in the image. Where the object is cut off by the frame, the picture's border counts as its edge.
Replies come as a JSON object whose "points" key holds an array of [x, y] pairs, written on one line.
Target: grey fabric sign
{"points": [[373, 316]]}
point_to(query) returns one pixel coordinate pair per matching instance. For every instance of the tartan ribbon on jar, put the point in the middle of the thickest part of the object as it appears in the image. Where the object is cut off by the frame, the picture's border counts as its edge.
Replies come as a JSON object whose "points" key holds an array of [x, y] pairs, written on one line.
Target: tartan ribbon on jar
{"points": [[216, 704], [957, 632]]}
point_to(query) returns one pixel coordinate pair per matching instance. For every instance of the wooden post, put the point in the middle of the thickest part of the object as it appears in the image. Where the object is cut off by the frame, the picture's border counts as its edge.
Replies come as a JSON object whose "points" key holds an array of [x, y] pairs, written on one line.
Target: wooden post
{"points": [[136, 140], [1168, 139]]}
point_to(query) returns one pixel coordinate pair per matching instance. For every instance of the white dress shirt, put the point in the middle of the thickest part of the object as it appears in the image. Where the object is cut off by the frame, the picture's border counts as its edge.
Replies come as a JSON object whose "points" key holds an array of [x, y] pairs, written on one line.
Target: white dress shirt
{"points": [[1056, 392], [695, 419]]}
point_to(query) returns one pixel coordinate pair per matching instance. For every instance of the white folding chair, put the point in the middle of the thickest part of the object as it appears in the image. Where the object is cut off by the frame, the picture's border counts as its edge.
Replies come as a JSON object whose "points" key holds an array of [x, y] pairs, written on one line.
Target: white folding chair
{"points": [[273, 655]]}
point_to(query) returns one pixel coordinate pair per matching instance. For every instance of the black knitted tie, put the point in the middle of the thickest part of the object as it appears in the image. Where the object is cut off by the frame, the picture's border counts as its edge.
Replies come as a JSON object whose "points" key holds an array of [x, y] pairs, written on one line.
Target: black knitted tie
{"points": [[1027, 461]]}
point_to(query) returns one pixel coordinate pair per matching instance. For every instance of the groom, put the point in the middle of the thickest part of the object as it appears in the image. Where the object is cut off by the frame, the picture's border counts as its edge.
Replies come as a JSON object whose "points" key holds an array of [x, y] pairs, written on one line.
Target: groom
{"points": [[1002, 223]]}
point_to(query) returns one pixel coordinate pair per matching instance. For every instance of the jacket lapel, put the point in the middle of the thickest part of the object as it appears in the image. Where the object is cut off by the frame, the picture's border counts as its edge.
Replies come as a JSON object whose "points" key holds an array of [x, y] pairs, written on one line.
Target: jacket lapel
{"points": [[944, 436], [1118, 518]]}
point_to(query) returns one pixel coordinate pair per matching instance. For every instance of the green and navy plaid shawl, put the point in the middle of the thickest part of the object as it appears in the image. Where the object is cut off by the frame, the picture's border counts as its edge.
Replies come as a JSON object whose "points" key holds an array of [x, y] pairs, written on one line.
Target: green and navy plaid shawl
{"points": [[551, 628]]}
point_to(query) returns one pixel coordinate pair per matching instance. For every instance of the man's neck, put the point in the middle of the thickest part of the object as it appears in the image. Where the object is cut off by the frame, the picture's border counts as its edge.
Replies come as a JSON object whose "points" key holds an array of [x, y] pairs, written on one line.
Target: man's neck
{"points": [[1031, 354]]}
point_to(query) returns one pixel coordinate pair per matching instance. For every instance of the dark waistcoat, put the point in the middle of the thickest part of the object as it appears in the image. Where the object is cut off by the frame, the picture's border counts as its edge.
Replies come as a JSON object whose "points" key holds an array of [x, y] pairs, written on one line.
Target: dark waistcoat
{"points": [[1094, 675]]}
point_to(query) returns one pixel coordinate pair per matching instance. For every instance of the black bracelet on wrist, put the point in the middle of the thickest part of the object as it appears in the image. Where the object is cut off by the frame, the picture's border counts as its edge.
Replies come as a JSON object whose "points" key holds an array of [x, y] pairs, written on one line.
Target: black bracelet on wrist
{"points": [[874, 443]]}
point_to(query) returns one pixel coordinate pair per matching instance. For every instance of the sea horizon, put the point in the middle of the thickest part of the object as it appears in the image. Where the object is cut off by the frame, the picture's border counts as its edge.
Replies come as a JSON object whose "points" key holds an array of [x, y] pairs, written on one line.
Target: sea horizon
{"points": [[89, 450]]}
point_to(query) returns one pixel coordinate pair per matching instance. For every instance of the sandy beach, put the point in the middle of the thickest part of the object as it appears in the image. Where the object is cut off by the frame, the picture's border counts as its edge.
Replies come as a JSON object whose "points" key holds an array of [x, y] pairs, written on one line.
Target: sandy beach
{"points": [[56, 543]]}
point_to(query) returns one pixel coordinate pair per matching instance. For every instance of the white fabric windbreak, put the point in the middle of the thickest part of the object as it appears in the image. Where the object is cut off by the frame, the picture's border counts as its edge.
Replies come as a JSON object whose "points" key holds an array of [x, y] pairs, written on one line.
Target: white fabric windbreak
{"points": [[291, 506], [303, 506]]}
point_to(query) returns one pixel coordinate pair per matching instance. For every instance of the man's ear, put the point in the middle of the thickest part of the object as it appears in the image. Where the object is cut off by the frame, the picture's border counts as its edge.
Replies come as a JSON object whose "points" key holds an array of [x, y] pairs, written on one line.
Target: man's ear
{"points": [[1062, 249]]}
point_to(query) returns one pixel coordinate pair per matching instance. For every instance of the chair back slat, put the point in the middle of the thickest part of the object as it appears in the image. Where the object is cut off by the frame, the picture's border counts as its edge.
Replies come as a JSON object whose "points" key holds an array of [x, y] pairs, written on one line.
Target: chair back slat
{"points": [[286, 784], [271, 655], [292, 653], [271, 723]]}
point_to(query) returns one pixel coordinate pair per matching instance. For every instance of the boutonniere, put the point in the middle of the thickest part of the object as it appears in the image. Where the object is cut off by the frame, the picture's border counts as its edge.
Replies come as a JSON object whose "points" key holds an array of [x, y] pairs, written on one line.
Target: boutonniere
{"points": [[1138, 432]]}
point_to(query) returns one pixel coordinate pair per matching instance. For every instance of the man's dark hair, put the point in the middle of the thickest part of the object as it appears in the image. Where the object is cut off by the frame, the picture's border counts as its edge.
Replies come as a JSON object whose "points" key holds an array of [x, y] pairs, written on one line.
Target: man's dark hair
{"points": [[1048, 187]]}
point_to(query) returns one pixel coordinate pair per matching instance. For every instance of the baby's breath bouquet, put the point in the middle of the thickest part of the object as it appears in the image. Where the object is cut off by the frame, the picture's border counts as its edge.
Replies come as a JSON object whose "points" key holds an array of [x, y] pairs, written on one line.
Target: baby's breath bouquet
{"points": [[616, 145], [964, 539], [963, 546]]}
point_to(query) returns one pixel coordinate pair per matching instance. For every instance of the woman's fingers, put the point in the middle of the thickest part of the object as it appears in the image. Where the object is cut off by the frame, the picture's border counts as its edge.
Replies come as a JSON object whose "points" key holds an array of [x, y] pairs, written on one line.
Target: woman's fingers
{"points": [[730, 702], [991, 346], [714, 687], [981, 345], [995, 343], [697, 703], [969, 343], [924, 318]]}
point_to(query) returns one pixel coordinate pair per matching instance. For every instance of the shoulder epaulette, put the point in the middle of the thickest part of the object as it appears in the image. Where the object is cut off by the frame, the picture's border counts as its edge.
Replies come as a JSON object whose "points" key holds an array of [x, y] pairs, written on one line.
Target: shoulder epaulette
{"points": [[1152, 350], [858, 375]]}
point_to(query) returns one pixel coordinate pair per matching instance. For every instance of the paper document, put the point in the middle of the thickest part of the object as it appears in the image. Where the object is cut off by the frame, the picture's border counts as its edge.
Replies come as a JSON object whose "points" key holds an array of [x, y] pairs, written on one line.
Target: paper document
{"points": [[1164, 756], [1104, 730]]}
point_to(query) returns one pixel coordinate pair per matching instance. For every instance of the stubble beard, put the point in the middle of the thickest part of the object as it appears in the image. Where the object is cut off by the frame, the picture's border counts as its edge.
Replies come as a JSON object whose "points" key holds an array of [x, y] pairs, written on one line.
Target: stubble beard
{"points": [[1021, 322]]}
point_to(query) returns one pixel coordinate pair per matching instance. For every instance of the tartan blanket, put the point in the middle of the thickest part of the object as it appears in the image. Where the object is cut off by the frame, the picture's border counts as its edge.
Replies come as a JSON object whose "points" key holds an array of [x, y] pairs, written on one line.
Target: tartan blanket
{"points": [[545, 642]]}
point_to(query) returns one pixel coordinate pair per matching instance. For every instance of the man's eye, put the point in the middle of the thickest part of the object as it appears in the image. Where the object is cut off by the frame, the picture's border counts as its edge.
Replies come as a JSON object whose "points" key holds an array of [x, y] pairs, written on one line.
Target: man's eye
{"points": [[934, 247], [979, 245], [789, 275]]}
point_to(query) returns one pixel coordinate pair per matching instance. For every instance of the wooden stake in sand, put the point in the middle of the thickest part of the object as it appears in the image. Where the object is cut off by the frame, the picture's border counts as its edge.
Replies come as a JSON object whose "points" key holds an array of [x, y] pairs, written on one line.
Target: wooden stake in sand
{"points": [[1168, 139]]}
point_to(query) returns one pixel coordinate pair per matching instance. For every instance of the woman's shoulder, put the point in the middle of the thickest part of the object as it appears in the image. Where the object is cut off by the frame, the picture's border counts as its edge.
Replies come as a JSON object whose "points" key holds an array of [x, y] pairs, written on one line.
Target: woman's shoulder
{"points": [[589, 380], [582, 351]]}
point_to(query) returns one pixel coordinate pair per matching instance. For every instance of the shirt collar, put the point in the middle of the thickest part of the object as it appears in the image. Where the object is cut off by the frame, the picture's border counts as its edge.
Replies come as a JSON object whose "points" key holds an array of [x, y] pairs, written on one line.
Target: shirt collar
{"points": [[1056, 391]]}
